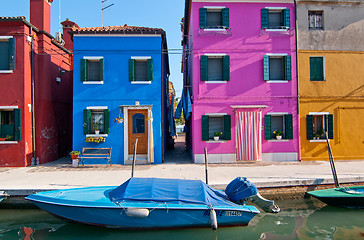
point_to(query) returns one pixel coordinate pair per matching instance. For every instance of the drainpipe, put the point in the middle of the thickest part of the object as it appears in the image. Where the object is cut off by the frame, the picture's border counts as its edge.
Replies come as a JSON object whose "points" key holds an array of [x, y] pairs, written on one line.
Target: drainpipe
{"points": [[298, 96], [33, 161]]}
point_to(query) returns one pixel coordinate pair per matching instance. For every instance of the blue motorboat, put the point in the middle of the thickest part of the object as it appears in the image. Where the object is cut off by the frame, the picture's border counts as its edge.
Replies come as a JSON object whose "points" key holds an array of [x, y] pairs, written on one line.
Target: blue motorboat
{"points": [[147, 203]]}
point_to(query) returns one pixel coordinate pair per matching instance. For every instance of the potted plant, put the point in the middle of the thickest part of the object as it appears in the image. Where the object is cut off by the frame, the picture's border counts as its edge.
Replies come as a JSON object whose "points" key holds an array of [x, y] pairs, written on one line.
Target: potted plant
{"points": [[74, 154], [217, 135], [97, 127], [278, 134], [9, 138], [119, 120]]}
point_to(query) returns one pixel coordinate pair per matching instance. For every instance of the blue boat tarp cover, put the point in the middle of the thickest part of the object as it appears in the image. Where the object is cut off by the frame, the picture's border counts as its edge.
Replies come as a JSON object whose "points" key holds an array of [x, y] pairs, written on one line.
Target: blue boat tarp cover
{"points": [[176, 191], [240, 188]]}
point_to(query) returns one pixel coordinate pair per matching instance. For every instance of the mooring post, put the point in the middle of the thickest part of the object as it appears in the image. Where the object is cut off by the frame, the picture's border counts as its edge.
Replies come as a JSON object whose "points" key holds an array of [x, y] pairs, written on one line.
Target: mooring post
{"points": [[134, 157], [206, 170]]}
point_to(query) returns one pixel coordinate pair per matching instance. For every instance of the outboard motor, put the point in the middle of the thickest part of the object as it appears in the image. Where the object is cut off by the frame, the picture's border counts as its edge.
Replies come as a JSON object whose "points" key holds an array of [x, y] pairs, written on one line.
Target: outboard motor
{"points": [[241, 190]]}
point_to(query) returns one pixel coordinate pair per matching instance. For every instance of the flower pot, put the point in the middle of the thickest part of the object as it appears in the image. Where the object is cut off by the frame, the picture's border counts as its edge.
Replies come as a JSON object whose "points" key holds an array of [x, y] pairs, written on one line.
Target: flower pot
{"points": [[216, 138], [74, 156], [278, 137], [97, 132]]}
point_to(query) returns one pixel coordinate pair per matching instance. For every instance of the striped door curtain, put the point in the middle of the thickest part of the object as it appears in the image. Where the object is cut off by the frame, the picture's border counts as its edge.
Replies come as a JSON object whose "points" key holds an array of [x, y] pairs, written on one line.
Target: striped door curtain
{"points": [[249, 139]]}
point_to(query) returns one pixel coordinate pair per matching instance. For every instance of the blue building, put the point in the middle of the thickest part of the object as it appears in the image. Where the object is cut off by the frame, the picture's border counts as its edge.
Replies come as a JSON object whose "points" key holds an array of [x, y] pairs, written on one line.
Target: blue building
{"points": [[120, 92]]}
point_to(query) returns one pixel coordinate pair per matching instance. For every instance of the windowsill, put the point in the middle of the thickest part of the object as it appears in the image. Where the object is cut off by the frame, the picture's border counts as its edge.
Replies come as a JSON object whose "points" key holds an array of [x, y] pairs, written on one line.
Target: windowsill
{"points": [[97, 135], [215, 81], [214, 29], [8, 142], [276, 140], [93, 82], [277, 81], [319, 140], [323, 80], [218, 141], [141, 82], [276, 29], [6, 71]]}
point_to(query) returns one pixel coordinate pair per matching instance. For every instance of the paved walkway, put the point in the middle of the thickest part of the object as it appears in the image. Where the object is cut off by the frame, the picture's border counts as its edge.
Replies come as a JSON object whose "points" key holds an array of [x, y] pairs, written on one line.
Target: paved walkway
{"points": [[60, 174]]}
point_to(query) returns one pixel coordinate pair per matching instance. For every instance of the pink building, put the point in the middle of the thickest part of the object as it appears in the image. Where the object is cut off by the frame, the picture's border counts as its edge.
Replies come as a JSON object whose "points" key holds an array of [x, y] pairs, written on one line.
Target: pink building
{"points": [[240, 68]]}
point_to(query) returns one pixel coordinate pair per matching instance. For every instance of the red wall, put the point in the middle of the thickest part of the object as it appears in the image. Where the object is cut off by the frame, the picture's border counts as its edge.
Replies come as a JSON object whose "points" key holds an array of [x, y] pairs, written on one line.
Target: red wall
{"points": [[53, 101]]}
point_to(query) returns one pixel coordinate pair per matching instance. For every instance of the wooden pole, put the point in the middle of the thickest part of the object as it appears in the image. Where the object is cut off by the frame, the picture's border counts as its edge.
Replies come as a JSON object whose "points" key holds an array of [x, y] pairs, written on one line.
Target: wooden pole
{"points": [[206, 165], [332, 164], [134, 157]]}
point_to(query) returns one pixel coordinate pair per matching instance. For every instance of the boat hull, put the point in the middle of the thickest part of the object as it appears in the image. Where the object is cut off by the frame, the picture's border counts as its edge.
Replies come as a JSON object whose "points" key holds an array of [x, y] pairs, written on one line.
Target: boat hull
{"points": [[338, 197]]}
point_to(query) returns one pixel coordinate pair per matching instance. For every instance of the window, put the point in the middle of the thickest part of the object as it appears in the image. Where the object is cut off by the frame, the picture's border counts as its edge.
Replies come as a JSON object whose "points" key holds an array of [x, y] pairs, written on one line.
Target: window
{"points": [[278, 121], [138, 123], [275, 18], [7, 53], [215, 68], [317, 124], [277, 67], [10, 124], [95, 119], [315, 20], [317, 71], [216, 123], [140, 70], [92, 69], [214, 18]]}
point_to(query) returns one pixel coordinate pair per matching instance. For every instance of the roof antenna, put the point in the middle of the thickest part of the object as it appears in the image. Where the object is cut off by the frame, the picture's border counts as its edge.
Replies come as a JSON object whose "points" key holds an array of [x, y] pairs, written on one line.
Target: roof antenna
{"points": [[102, 11], [59, 33]]}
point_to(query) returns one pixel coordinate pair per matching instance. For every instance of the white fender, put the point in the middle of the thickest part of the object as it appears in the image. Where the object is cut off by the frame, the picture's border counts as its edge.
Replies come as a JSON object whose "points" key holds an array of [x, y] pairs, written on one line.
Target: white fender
{"points": [[213, 219], [137, 212]]}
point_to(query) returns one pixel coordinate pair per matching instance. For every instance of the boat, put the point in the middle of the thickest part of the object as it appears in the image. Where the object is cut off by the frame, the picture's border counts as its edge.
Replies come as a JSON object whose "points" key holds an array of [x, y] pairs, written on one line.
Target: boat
{"points": [[147, 203], [347, 197]]}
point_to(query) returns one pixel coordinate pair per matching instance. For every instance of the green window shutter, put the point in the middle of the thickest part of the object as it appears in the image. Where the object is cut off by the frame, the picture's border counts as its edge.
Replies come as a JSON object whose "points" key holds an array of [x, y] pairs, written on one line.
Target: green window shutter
{"points": [[17, 124], [12, 53], [265, 18], [101, 69], [266, 67], [226, 68], [288, 68], [83, 70], [330, 125], [316, 68], [150, 69], [131, 70], [205, 127], [86, 121], [227, 127], [287, 18], [203, 17], [225, 17], [267, 127], [203, 68], [288, 126], [309, 127], [106, 121]]}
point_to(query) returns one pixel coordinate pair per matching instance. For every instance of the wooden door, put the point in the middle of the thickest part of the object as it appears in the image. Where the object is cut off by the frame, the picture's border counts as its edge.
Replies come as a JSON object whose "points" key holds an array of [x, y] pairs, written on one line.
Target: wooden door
{"points": [[138, 128]]}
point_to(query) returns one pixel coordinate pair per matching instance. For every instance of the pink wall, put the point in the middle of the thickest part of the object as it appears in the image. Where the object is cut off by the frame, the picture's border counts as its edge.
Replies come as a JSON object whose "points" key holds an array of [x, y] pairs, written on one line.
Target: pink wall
{"points": [[246, 46]]}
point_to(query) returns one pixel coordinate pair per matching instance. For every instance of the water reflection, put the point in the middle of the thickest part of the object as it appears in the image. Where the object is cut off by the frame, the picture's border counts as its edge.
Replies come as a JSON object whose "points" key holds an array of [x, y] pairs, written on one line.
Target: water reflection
{"points": [[297, 220]]}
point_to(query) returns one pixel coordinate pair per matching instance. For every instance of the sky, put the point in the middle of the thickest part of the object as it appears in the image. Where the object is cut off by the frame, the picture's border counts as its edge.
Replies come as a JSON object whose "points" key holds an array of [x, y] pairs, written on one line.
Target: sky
{"points": [[165, 14]]}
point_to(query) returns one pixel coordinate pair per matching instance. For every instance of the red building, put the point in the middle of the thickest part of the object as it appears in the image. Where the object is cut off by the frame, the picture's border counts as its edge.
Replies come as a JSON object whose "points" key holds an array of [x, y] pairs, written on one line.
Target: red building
{"points": [[35, 89]]}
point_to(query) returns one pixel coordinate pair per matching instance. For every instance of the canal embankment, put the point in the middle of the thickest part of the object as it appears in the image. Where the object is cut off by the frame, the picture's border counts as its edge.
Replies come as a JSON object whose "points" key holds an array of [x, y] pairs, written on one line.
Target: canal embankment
{"points": [[275, 180]]}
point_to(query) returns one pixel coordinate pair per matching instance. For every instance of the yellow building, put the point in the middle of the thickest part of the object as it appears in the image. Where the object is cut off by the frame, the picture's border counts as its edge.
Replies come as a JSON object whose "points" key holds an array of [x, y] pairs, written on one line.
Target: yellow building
{"points": [[331, 78]]}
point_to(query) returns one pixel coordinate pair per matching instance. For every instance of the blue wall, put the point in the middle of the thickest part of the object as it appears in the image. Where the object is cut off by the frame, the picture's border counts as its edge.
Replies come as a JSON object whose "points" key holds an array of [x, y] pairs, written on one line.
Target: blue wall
{"points": [[117, 90]]}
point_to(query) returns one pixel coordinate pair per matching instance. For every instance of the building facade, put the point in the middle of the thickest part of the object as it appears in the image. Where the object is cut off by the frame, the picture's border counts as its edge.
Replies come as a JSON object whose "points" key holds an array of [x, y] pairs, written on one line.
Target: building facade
{"points": [[331, 78], [239, 65], [120, 92], [36, 90]]}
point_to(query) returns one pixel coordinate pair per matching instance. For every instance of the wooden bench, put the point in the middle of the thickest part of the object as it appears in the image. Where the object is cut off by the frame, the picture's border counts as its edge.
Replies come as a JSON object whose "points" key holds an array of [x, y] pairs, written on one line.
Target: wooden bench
{"points": [[94, 153]]}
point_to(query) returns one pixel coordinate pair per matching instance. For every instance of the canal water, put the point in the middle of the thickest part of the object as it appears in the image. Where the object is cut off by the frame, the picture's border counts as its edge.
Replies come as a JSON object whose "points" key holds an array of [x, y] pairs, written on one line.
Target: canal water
{"points": [[298, 219]]}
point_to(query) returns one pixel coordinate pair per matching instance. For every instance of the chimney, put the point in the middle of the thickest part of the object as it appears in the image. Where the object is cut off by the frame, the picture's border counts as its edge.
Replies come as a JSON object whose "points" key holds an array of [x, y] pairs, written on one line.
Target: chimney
{"points": [[40, 14], [67, 28]]}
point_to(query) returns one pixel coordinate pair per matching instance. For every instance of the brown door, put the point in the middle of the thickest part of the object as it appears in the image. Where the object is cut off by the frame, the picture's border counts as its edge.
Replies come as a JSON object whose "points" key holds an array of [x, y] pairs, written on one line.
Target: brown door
{"points": [[138, 128]]}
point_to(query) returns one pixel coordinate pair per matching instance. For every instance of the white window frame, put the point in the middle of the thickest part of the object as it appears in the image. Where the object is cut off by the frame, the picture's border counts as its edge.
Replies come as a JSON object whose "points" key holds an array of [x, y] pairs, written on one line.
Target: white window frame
{"points": [[93, 59], [277, 55], [318, 114], [8, 108], [214, 55], [275, 29], [141, 58], [97, 108], [211, 9], [279, 114], [216, 115]]}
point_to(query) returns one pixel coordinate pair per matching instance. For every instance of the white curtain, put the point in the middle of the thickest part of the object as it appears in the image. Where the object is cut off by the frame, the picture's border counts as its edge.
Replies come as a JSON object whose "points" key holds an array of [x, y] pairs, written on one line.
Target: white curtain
{"points": [[248, 132], [150, 137]]}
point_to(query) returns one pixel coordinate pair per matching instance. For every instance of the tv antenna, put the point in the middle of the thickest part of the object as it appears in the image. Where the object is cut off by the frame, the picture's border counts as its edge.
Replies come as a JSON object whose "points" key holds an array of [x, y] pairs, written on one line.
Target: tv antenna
{"points": [[102, 11]]}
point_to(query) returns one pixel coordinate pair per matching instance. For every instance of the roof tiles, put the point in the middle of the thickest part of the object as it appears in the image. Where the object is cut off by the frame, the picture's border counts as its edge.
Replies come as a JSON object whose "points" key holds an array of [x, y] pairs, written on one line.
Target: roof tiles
{"points": [[118, 29]]}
